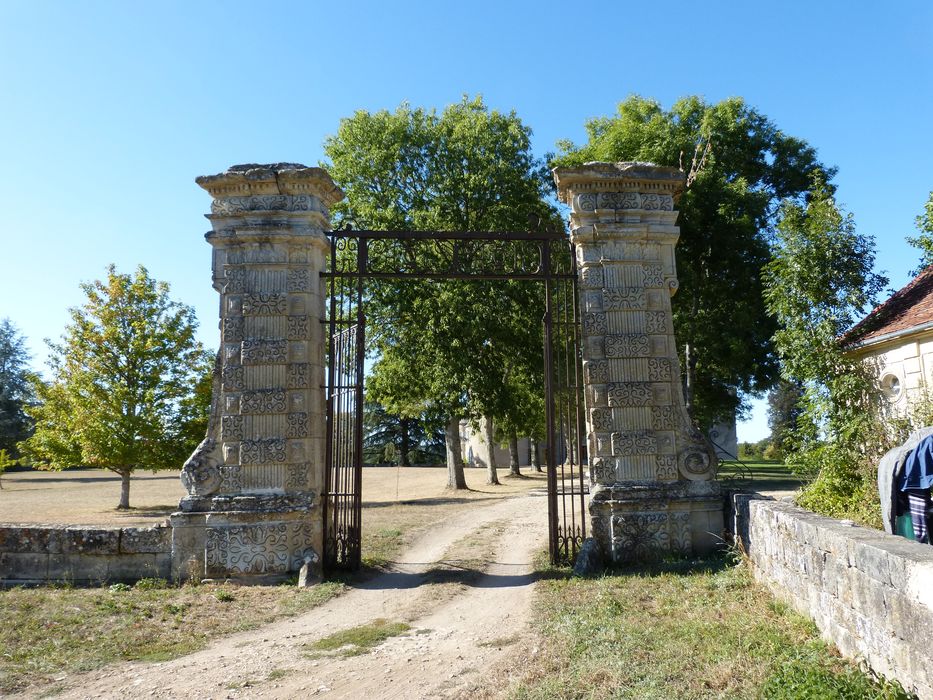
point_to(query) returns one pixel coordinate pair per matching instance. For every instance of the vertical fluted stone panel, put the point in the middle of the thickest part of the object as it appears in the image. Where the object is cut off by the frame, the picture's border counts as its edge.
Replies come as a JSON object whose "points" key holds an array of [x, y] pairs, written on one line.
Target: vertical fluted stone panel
{"points": [[253, 504], [652, 472]]}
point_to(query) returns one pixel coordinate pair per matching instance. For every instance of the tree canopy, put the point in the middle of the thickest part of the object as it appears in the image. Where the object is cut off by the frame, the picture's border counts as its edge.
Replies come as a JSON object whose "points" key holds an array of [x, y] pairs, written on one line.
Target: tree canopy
{"points": [[924, 241], [456, 347], [820, 282], [741, 166], [127, 387], [15, 388]]}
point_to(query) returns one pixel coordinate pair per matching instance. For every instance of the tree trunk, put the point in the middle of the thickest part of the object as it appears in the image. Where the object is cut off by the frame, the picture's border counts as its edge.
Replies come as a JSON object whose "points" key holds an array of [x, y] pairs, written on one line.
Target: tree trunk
{"points": [[535, 454], [513, 456], [491, 476], [455, 478], [124, 490], [405, 427]]}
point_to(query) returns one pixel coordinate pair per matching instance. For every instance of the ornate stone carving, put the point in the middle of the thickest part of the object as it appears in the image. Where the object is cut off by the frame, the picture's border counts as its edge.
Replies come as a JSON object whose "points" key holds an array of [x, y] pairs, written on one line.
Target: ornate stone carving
{"points": [[601, 419], [624, 299], [640, 535], [654, 276], [269, 450], [694, 462], [298, 375], [298, 328], [635, 442], [232, 329], [657, 202], [603, 471], [231, 428], [248, 549], [594, 323], [232, 378], [264, 351], [659, 369], [666, 468], [296, 476], [200, 475], [663, 417], [299, 280], [263, 401], [264, 304], [230, 478], [596, 371], [629, 345], [229, 206], [586, 201], [592, 276], [618, 200], [297, 425], [628, 394], [235, 280], [678, 525], [656, 322]]}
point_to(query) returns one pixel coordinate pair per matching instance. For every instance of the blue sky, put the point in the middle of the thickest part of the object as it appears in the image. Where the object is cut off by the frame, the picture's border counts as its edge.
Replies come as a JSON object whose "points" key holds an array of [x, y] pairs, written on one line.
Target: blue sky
{"points": [[108, 110]]}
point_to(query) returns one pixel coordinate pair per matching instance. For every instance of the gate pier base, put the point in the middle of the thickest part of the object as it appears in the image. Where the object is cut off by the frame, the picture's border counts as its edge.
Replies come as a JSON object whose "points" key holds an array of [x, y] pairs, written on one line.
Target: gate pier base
{"points": [[652, 472], [253, 510]]}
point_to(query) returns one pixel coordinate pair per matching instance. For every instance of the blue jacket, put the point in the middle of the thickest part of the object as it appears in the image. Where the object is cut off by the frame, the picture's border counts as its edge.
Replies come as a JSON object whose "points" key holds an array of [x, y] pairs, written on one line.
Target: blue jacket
{"points": [[918, 467]]}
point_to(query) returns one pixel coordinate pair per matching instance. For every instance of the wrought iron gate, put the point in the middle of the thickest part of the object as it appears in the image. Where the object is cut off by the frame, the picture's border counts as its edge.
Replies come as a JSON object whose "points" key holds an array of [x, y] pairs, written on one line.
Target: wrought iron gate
{"points": [[359, 256]]}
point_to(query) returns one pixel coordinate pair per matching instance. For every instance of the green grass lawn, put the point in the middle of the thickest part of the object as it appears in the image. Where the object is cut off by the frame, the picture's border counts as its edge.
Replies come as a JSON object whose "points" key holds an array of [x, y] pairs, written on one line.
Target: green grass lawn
{"points": [[759, 475], [683, 629]]}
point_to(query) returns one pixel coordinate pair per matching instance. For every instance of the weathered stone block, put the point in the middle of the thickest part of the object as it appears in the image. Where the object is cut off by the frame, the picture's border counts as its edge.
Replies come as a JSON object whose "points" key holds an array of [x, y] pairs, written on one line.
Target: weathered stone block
{"points": [[145, 540], [24, 566], [91, 541]]}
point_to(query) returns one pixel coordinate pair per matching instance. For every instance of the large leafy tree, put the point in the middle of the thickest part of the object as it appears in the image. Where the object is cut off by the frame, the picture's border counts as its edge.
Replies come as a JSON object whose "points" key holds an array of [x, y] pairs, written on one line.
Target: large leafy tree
{"points": [[127, 387], [15, 391], [451, 347], [820, 282], [740, 167], [400, 439], [924, 240]]}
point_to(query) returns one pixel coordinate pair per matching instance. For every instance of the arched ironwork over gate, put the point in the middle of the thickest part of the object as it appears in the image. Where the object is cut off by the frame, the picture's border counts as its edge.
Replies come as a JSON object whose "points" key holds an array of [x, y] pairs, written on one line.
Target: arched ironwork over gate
{"points": [[358, 257]]}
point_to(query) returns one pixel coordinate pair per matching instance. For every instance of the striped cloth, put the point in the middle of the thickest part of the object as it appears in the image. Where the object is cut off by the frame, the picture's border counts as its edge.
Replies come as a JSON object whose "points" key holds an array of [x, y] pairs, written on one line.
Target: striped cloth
{"points": [[919, 500]]}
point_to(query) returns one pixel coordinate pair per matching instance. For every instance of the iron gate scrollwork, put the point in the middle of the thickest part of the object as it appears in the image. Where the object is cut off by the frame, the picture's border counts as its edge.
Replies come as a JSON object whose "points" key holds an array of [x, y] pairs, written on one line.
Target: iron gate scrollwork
{"points": [[545, 257]]}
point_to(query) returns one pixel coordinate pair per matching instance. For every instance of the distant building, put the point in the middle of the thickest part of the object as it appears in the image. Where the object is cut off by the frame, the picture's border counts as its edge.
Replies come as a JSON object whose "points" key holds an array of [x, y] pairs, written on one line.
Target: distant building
{"points": [[475, 453], [898, 337]]}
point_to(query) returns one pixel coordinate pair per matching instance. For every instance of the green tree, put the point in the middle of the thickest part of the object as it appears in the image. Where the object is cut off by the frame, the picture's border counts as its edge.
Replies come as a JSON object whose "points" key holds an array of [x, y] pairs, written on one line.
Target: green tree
{"points": [[924, 242], [819, 283], [784, 410], [741, 166], [447, 347], [6, 461], [15, 391], [122, 379], [413, 440]]}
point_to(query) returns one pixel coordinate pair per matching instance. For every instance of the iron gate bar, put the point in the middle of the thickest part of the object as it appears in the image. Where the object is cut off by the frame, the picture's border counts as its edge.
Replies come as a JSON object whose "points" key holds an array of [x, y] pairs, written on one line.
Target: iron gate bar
{"points": [[563, 400]]}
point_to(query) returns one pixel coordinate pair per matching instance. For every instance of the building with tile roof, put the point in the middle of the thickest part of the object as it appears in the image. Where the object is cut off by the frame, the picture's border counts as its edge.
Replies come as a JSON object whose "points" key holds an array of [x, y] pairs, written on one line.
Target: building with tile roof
{"points": [[898, 335]]}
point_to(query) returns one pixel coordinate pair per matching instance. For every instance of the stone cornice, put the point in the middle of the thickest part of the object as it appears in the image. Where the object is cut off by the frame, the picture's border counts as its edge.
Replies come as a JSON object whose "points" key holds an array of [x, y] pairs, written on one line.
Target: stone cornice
{"points": [[256, 180], [618, 177]]}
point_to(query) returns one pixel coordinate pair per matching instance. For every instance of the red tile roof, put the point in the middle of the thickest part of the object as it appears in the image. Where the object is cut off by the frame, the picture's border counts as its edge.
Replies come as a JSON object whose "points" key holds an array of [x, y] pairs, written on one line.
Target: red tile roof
{"points": [[908, 308]]}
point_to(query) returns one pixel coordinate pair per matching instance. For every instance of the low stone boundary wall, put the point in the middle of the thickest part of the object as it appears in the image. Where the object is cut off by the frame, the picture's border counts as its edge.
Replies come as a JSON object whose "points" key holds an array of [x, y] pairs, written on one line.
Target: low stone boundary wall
{"points": [[31, 554], [869, 592]]}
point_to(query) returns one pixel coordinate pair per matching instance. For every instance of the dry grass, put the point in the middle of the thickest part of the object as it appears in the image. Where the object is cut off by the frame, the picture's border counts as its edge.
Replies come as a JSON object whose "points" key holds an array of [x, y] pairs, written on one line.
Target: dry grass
{"points": [[686, 629], [48, 633]]}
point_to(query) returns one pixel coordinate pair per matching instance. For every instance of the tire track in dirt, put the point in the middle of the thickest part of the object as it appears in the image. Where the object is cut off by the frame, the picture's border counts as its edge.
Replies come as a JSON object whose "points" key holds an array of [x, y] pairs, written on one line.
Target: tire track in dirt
{"points": [[456, 636]]}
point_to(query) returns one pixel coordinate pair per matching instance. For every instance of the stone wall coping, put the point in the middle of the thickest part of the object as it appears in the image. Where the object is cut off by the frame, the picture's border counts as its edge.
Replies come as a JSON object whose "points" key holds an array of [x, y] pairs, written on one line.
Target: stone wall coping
{"points": [[628, 175], [273, 178]]}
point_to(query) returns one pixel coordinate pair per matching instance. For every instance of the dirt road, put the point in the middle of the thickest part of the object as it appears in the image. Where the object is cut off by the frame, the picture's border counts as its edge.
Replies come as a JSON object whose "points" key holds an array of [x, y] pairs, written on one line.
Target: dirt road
{"points": [[464, 587]]}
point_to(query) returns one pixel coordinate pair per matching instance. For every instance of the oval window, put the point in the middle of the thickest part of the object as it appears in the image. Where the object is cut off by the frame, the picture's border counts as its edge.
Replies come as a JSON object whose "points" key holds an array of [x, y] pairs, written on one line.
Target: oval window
{"points": [[891, 387]]}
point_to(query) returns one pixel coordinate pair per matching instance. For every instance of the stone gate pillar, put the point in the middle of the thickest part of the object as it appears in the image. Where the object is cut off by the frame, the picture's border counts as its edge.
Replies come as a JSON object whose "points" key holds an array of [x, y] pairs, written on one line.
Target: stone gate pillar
{"points": [[253, 509], [652, 472]]}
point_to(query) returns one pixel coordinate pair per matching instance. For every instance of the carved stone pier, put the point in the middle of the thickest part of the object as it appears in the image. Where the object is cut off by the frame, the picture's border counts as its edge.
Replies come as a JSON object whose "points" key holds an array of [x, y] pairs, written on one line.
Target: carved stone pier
{"points": [[252, 511], [652, 472]]}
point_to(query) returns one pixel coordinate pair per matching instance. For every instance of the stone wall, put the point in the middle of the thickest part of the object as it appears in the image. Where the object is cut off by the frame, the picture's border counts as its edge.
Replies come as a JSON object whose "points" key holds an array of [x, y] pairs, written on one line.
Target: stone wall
{"points": [[31, 554], [869, 593]]}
